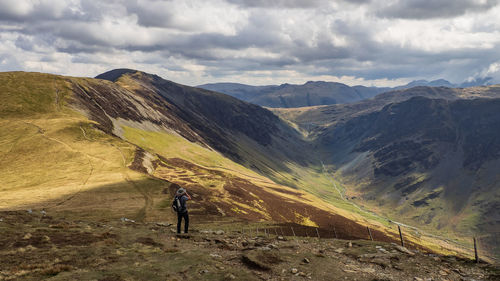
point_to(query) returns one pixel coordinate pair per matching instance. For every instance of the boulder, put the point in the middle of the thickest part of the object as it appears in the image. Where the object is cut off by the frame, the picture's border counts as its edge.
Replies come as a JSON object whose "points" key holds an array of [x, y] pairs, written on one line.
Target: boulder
{"points": [[261, 260]]}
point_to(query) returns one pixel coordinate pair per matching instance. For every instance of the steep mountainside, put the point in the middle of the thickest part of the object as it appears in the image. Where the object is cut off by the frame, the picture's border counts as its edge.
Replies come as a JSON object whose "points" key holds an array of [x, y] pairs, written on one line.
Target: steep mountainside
{"points": [[315, 119], [221, 122], [424, 155], [101, 150], [118, 146], [430, 160]]}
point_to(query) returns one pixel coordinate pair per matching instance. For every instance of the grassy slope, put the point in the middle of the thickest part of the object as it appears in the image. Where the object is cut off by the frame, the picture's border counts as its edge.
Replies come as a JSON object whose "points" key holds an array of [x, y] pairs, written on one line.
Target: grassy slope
{"points": [[52, 157], [314, 183], [69, 166]]}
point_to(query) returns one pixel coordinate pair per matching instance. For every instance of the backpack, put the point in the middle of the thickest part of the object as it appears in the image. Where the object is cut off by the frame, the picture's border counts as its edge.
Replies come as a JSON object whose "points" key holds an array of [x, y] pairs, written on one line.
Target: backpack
{"points": [[176, 204]]}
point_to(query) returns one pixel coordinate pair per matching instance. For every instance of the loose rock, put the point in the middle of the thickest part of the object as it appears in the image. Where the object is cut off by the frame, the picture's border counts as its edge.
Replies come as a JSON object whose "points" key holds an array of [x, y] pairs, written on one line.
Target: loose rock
{"points": [[403, 250], [259, 259]]}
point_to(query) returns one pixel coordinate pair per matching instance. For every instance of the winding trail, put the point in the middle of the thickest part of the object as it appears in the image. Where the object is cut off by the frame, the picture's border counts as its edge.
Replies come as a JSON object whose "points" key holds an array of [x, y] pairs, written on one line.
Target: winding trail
{"points": [[42, 132], [148, 199]]}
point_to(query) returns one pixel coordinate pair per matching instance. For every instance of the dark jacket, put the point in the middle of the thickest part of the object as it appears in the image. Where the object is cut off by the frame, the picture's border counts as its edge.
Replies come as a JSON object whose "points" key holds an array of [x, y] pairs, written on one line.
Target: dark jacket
{"points": [[183, 199]]}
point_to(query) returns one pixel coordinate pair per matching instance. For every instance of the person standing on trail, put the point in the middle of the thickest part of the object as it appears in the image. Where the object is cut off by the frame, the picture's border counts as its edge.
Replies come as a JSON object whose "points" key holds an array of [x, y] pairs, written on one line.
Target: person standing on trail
{"points": [[180, 205]]}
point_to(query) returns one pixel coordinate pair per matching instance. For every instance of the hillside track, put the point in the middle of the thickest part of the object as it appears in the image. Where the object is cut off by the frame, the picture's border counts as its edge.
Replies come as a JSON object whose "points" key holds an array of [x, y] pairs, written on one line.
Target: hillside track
{"points": [[148, 197], [41, 131]]}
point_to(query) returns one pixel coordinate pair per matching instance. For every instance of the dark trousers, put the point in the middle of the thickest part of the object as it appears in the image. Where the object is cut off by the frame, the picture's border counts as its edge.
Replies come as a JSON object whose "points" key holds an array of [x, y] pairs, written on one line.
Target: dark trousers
{"points": [[186, 221]]}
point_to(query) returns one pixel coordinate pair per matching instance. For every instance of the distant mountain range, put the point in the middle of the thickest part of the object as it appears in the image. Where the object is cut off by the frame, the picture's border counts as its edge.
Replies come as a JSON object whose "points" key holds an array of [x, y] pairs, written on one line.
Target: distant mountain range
{"points": [[315, 93]]}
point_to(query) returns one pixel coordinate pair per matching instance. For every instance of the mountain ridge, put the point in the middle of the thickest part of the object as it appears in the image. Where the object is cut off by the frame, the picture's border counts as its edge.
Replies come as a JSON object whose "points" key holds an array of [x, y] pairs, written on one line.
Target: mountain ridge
{"points": [[313, 93], [115, 149], [423, 154], [238, 159]]}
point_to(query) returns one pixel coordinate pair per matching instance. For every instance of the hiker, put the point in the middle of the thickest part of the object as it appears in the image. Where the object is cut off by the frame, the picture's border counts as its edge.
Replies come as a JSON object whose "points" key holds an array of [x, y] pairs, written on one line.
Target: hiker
{"points": [[181, 196]]}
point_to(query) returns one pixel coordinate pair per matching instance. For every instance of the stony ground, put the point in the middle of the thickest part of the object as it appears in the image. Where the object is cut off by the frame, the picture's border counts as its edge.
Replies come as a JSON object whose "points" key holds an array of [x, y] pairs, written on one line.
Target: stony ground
{"points": [[36, 247]]}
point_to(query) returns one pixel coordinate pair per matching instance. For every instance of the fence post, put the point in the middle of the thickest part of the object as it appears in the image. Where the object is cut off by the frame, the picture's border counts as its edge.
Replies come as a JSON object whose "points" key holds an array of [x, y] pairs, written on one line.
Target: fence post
{"points": [[401, 236], [475, 251], [335, 232], [370, 232], [293, 231], [317, 232]]}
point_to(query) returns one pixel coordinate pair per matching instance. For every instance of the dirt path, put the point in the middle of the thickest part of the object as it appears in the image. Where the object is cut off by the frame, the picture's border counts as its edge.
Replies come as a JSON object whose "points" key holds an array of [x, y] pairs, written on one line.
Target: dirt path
{"points": [[148, 198], [42, 132]]}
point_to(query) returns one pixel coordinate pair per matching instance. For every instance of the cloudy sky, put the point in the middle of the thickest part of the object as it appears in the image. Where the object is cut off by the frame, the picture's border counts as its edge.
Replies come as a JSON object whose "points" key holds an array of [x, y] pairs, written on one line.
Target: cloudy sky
{"points": [[368, 42]]}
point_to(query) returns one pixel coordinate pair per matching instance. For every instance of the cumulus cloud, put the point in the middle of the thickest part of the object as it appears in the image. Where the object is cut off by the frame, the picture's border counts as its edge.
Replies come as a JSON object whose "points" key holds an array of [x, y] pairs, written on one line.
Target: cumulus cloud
{"points": [[258, 42]]}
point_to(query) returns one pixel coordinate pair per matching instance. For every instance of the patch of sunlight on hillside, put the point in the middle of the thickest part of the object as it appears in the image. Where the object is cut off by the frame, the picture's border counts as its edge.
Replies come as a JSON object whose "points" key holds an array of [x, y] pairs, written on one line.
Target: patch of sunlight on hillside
{"points": [[45, 159], [30, 94], [324, 186], [170, 145]]}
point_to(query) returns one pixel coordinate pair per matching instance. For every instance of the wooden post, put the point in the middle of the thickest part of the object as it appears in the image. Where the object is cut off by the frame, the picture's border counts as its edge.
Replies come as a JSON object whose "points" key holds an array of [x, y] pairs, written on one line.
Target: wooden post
{"points": [[335, 232], [293, 231], [370, 233], [401, 236], [257, 231], [475, 251], [317, 232], [281, 230], [275, 231]]}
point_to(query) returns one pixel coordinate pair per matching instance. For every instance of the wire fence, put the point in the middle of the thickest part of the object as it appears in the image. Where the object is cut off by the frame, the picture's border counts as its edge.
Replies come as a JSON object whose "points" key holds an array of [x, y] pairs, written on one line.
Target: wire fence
{"points": [[489, 245], [487, 249]]}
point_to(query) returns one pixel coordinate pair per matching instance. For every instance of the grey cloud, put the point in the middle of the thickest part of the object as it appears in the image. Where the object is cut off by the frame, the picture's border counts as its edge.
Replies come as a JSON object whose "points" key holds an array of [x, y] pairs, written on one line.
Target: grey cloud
{"points": [[297, 4], [150, 15], [79, 33], [9, 63], [278, 3], [24, 43], [423, 9], [38, 11]]}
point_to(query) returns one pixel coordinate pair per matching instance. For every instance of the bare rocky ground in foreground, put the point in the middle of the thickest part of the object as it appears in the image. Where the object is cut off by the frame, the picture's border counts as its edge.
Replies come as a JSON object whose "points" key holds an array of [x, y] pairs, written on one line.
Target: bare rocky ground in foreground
{"points": [[36, 247]]}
